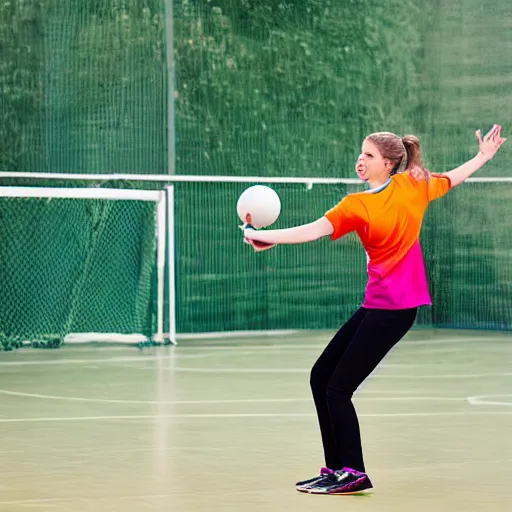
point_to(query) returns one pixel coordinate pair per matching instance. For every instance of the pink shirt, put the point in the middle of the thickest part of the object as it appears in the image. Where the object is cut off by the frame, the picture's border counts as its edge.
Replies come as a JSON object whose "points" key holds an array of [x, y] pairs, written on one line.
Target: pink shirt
{"points": [[388, 221], [405, 286]]}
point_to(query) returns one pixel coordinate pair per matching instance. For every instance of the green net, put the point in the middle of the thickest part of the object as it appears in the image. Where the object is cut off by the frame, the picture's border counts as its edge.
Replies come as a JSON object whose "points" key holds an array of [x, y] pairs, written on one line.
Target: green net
{"points": [[81, 275], [223, 285], [282, 88], [467, 249], [290, 87], [279, 88]]}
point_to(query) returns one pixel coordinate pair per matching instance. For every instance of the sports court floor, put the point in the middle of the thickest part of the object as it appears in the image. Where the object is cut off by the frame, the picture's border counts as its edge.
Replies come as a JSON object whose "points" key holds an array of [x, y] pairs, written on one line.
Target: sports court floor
{"points": [[229, 425]]}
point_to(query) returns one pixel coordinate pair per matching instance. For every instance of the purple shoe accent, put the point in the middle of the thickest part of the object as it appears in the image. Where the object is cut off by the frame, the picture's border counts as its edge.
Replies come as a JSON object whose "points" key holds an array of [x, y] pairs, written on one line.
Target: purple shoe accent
{"points": [[353, 485], [353, 471], [327, 471]]}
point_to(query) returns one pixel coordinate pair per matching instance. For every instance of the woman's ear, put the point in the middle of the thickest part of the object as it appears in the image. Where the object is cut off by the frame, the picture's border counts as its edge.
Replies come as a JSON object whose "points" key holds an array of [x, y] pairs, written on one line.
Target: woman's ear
{"points": [[389, 164]]}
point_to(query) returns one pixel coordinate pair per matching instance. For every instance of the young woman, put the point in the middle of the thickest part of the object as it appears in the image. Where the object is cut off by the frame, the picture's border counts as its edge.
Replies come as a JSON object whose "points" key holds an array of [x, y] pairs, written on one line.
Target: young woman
{"points": [[387, 218]]}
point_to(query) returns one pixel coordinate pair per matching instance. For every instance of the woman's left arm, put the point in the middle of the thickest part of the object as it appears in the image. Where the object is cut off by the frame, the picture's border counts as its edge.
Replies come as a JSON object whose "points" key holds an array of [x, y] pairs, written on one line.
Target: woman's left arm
{"points": [[488, 146]]}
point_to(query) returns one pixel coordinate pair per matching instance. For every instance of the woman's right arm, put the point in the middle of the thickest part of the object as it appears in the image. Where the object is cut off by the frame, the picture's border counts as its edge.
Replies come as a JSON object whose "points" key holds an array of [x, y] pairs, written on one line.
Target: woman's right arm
{"points": [[296, 235]]}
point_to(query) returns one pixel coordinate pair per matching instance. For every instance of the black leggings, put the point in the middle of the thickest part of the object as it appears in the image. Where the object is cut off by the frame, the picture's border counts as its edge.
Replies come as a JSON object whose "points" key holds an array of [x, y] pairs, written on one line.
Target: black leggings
{"points": [[354, 352]]}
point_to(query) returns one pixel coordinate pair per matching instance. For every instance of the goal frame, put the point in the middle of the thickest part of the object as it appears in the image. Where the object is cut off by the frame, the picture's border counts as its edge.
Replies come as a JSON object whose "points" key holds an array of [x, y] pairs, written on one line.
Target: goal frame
{"points": [[157, 196]]}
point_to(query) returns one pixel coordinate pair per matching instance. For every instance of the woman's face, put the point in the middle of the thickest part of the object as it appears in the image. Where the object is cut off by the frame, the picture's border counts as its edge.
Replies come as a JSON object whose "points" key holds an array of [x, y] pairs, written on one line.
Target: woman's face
{"points": [[371, 165]]}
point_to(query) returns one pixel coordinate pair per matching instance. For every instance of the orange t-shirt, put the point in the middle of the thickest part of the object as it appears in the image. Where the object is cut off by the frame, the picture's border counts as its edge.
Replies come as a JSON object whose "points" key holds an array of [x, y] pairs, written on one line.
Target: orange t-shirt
{"points": [[388, 221]]}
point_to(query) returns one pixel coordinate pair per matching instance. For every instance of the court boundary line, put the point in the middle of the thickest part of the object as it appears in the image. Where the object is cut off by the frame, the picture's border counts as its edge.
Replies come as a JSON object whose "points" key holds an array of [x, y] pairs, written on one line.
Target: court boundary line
{"points": [[306, 370], [141, 417], [481, 400], [313, 346], [226, 401]]}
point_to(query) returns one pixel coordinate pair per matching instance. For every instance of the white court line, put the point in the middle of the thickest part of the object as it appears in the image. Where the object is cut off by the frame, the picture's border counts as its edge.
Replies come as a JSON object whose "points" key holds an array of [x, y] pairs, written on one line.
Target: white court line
{"points": [[484, 400], [226, 401], [447, 376], [86, 499], [302, 370], [316, 343], [152, 402], [245, 415], [129, 359], [125, 359], [437, 465], [319, 345], [150, 368], [236, 371], [458, 339], [321, 339], [91, 451], [296, 347], [146, 359]]}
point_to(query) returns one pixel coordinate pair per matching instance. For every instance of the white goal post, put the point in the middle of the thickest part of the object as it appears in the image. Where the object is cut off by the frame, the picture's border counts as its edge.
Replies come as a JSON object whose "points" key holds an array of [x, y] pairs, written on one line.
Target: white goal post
{"points": [[157, 196]]}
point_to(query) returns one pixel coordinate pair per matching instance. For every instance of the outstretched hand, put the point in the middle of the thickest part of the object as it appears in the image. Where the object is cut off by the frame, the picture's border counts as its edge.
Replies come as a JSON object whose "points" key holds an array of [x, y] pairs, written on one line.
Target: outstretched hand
{"points": [[491, 142], [256, 245]]}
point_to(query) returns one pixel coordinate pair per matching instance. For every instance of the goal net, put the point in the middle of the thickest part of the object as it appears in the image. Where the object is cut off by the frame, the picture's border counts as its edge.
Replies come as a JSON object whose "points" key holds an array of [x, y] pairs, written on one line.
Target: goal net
{"points": [[80, 264]]}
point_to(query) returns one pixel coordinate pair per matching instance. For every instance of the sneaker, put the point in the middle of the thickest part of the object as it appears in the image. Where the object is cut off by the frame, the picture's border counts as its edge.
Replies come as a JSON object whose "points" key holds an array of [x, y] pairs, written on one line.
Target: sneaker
{"points": [[304, 485], [345, 481]]}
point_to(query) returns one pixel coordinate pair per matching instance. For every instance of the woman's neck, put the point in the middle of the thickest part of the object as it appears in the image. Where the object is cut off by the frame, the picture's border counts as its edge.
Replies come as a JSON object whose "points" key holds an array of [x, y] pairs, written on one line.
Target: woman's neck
{"points": [[378, 182]]}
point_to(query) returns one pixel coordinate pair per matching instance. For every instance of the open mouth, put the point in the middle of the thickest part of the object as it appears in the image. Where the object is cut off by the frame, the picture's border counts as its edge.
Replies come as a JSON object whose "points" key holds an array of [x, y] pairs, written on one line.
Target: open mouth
{"points": [[361, 173]]}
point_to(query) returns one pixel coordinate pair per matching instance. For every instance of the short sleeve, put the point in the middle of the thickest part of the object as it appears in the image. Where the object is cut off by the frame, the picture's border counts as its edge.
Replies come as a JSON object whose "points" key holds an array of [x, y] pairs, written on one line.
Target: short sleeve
{"points": [[437, 186], [347, 216]]}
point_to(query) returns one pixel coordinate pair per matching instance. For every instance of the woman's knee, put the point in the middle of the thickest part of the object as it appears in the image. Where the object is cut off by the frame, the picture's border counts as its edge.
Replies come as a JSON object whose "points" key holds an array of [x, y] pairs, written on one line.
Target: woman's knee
{"points": [[318, 379], [340, 388]]}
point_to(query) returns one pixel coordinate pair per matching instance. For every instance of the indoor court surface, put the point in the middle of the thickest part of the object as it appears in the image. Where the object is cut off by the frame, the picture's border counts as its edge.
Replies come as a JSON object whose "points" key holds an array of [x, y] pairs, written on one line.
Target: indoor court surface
{"points": [[229, 425]]}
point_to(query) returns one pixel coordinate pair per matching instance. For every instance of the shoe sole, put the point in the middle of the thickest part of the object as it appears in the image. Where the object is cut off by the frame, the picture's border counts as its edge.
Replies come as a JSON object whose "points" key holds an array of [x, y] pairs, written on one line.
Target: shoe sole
{"points": [[365, 490], [303, 488], [349, 493]]}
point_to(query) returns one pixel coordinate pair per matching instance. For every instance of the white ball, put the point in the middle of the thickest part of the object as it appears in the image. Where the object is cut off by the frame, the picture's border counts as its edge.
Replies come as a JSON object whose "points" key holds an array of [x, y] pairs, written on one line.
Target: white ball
{"points": [[259, 205]]}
